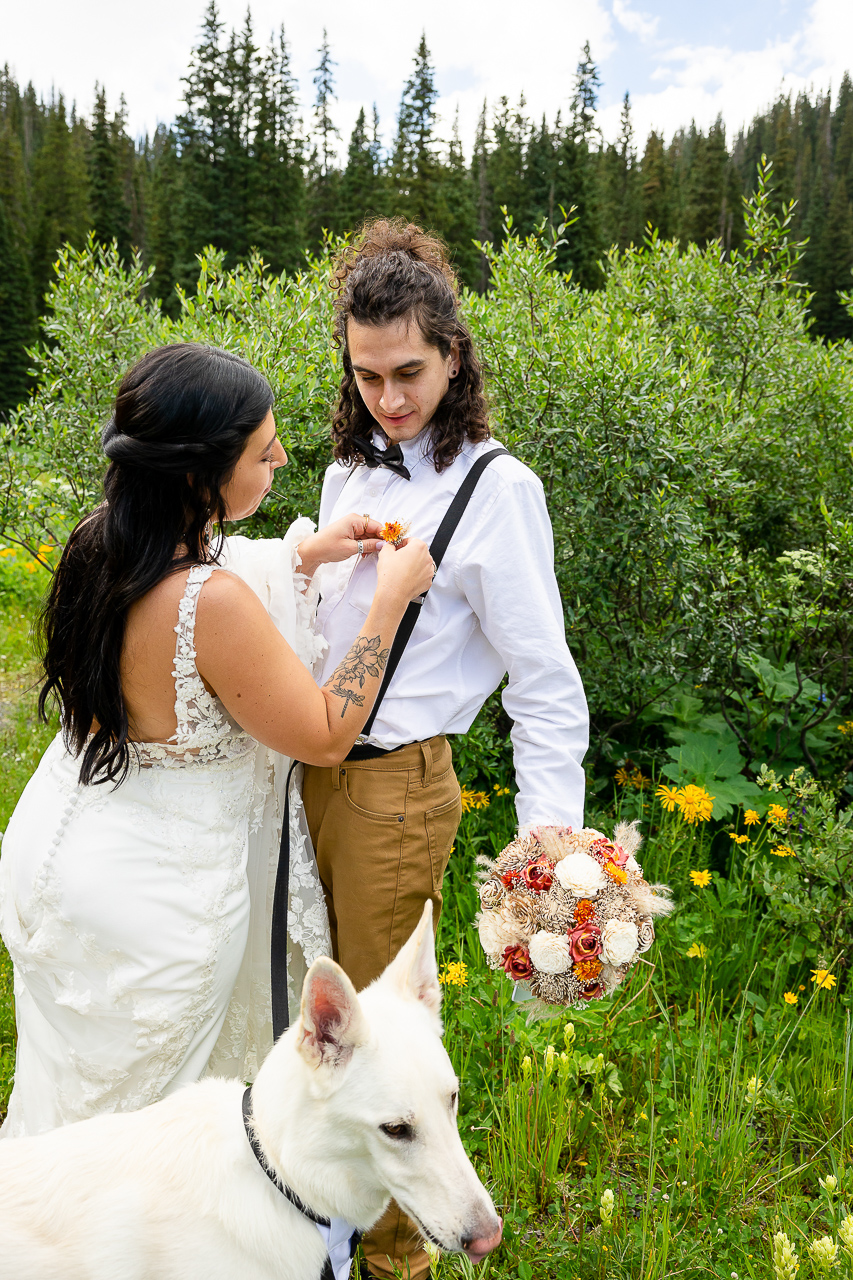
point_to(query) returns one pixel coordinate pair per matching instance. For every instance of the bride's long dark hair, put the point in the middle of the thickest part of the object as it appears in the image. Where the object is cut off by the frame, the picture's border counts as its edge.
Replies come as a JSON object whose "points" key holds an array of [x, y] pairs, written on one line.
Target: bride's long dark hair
{"points": [[182, 417]]}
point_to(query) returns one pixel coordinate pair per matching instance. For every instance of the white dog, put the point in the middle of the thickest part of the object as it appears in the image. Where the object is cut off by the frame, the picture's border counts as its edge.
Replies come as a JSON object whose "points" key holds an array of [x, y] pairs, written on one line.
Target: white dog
{"points": [[354, 1105]]}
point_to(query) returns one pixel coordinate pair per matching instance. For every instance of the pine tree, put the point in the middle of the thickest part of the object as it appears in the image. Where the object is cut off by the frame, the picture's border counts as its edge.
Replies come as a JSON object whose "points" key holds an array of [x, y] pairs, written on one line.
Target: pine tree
{"points": [[240, 83], [575, 180], [507, 167], [109, 211], [416, 172], [655, 180], [17, 300], [707, 214], [361, 186], [162, 236], [324, 174], [60, 186], [200, 137], [277, 200], [620, 201], [459, 215]]}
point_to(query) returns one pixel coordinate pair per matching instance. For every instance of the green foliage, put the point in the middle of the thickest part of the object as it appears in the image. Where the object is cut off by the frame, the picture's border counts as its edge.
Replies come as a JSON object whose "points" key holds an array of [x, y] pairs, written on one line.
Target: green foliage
{"points": [[683, 553]]}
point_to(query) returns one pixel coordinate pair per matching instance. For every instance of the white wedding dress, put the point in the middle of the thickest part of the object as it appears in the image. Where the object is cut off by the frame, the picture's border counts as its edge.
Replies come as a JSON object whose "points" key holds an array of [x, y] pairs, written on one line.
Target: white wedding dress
{"points": [[138, 917]]}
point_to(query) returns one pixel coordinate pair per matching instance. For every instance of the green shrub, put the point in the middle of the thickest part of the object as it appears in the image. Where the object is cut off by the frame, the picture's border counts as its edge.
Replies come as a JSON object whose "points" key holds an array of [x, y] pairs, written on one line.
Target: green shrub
{"points": [[695, 444]]}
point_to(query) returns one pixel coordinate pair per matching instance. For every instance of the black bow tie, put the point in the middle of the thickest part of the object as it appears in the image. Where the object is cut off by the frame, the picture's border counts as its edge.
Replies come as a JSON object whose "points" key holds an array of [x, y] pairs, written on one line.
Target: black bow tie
{"points": [[392, 457]]}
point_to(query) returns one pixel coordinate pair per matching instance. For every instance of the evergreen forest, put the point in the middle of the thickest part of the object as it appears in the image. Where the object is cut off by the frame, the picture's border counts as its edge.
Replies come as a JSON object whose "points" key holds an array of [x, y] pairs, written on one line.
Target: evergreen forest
{"points": [[244, 166]]}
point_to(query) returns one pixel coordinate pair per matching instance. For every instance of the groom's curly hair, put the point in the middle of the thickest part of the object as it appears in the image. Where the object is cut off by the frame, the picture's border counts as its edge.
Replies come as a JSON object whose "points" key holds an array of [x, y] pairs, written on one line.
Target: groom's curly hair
{"points": [[394, 270]]}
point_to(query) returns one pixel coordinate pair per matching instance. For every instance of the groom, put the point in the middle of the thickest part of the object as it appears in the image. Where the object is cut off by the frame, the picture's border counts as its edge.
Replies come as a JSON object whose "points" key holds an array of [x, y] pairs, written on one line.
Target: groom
{"points": [[411, 425]]}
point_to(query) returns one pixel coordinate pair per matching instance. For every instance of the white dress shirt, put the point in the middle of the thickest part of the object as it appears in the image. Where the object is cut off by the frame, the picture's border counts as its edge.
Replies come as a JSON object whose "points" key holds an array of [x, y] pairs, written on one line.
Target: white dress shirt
{"points": [[493, 608]]}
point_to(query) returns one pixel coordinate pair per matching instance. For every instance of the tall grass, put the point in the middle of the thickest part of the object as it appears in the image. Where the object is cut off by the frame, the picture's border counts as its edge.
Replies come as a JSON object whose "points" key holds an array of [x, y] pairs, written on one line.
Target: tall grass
{"points": [[647, 1096]]}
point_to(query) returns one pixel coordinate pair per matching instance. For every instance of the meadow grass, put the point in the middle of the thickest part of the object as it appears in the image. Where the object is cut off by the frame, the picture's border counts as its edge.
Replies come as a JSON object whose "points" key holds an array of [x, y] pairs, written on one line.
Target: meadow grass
{"points": [[707, 1105]]}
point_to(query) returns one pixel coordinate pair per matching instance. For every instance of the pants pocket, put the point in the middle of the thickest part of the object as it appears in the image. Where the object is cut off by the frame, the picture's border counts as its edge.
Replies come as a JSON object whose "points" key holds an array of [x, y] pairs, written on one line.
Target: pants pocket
{"points": [[442, 823]]}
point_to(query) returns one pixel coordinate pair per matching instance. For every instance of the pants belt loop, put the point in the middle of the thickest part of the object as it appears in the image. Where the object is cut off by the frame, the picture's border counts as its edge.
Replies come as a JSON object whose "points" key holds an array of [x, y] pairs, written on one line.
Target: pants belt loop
{"points": [[336, 777], [427, 754]]}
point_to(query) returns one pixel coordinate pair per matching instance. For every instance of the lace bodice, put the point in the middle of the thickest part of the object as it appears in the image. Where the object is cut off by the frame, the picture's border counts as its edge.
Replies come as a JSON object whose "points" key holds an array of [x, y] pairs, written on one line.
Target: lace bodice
{"points": [[205, 732]]}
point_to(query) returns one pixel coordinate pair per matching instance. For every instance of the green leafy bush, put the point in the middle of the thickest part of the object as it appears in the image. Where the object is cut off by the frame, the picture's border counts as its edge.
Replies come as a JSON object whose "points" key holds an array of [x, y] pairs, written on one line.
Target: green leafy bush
{"points": [[696, 448]]}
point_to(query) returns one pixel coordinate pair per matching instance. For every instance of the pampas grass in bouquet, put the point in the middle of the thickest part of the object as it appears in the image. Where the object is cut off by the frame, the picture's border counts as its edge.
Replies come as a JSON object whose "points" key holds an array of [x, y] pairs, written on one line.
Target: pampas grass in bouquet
{"points": [[568, 912]]}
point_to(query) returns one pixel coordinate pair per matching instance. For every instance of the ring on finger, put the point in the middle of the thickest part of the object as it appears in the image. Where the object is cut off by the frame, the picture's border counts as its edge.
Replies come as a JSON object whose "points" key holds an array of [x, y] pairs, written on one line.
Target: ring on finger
{"points": [[360, 546], [434, 566]]}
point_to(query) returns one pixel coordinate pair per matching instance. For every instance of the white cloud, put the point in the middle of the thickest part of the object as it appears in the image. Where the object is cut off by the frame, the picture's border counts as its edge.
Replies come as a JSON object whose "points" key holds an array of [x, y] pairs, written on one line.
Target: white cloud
{"points": [[480, 51], [485, 49], [638, 24], [700, 82]]}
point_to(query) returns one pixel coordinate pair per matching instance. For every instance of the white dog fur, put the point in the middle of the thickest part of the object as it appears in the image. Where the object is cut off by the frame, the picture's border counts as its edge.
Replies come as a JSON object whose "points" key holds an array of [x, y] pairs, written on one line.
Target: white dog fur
{"points": [[173, 1192]]}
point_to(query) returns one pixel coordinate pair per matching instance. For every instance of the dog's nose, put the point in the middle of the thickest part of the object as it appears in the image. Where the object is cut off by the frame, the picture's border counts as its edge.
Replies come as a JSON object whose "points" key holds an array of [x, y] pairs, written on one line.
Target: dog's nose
{"points": [[477, 1247]]}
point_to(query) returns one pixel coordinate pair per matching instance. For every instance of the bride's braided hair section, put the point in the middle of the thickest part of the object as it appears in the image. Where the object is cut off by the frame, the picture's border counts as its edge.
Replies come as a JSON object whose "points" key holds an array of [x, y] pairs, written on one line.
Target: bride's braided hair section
{"points": [[394, 270]]}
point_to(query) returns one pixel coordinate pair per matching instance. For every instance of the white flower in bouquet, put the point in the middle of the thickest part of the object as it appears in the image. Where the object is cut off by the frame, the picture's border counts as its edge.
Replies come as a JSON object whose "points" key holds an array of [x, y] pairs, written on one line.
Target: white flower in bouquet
{"points": [[645, 934], [619, 940], [633, 865], [499, 930], [550, 952], [581, 875]]}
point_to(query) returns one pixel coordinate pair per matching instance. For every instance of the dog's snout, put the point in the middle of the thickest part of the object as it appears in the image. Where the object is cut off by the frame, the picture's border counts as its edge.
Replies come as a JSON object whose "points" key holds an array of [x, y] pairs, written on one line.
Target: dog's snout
{"points": [[477, 1247]]}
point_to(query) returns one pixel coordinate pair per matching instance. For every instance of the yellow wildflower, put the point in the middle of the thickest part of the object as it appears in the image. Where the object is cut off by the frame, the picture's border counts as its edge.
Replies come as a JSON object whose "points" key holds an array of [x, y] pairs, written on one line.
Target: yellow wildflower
{"points": [[454, 974], [695, 804], [639, 780], [701, 879], [8, 551], [790, 997], [777, 814], [45, 550], [501, 791], [733, 835], [846, 728], [668, 797], [474, 800], [824, 979], [622, 777], [783, 851], [31, 566], [750, 818], [699, 950]]}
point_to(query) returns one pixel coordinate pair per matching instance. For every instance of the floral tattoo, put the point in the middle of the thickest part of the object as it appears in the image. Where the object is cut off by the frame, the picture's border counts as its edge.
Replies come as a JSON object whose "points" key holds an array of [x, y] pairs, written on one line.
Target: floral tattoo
{"points": [[364, 659]]}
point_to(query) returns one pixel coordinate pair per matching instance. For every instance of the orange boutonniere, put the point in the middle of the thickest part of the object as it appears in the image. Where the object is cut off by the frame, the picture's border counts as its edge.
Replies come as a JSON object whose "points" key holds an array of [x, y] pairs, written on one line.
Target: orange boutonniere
{"points": [[394, 532]]}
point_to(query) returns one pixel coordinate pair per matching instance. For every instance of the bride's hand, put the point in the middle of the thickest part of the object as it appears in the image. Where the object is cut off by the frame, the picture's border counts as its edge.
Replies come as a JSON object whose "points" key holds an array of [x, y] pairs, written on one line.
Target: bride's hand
{"points": [[339, 541]]}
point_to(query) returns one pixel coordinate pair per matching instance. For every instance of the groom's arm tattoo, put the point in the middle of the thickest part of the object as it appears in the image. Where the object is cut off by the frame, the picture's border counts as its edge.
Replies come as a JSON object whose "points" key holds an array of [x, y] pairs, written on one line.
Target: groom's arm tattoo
{"points": [[364, 659]]}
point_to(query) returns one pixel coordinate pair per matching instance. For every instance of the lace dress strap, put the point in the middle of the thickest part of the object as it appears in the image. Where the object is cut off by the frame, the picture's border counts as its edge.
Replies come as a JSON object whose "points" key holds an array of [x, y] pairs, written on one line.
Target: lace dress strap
{"points": [[193, 703]]}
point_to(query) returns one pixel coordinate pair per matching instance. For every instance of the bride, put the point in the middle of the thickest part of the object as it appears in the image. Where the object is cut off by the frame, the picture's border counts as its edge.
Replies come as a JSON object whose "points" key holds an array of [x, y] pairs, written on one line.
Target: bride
{"points": [[138, 868]]}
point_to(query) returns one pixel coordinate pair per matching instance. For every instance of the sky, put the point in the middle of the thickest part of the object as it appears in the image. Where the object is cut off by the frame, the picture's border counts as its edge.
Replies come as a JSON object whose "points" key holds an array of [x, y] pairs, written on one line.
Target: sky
{"points": [[678, 59]]}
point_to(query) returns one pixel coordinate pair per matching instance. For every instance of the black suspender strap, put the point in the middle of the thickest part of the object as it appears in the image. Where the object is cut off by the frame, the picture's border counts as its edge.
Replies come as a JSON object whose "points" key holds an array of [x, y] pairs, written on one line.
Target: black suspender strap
{"points": [[438, 546], [278, 927], [440, 543]]}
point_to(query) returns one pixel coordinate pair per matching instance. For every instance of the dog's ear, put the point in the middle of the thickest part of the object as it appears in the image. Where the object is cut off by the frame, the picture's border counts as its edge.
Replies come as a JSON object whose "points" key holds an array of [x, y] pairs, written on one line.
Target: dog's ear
{"points": [[414, 971], [332, 1024]]}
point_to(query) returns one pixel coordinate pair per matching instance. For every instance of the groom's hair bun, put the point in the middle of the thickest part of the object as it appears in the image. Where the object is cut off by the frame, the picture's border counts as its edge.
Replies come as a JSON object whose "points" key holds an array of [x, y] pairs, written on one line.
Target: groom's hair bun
{"points": [[394, 270]]}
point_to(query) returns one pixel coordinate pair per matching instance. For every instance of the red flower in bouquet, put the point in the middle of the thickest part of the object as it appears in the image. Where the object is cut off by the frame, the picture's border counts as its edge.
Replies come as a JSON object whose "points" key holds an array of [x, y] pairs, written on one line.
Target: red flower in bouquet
{"points": [[509, 878], [610, 850], [539, 875], [592, 991], [516, 962], [585, 942]]}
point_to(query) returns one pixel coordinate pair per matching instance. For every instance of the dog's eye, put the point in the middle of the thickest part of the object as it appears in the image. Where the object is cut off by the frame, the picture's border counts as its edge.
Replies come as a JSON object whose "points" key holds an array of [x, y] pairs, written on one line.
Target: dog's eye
{"points": [[403, 1132], [454, 1098]]}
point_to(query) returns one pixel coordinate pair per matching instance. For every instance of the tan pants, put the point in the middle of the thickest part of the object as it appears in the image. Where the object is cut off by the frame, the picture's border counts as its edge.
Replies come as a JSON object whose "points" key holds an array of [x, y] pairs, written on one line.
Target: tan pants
{"points": [[382, 831]]}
